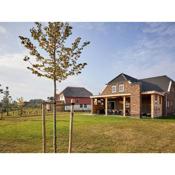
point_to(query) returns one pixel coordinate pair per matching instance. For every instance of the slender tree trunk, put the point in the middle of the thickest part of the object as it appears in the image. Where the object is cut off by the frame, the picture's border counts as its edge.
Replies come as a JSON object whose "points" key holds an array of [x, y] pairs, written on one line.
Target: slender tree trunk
{"points": [[1, 113], [8, 108], [54, 104], [54, 119]]}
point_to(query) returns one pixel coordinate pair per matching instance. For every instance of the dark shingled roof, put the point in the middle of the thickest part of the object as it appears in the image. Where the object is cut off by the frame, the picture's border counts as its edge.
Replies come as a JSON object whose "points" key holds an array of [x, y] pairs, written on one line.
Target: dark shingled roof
{"points": [[146, 86], [76, 92], [123, 77], [159, 83]]}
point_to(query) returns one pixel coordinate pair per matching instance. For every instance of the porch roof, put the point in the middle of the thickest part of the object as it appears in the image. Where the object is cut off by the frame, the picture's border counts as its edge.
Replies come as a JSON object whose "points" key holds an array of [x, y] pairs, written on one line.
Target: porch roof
{"points": [[153, 92], [111, 95], [127, 94]]}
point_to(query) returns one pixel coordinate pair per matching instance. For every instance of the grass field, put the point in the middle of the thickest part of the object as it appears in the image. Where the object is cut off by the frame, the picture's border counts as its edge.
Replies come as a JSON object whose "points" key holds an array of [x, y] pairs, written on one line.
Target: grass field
{"points": [[91, 134]]}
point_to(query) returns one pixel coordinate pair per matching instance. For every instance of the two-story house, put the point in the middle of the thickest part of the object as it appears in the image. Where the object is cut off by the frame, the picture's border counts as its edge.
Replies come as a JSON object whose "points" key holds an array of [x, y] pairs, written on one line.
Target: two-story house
{"points": [[126, 95]]}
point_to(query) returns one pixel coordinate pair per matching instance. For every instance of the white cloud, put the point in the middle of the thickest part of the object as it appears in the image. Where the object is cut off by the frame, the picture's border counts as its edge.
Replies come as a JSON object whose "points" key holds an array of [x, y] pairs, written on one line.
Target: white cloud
{"points": [[152, 55], [92, 26], [12, 60], [22, 82], [2, 30], [161, 29], [145, 66], [13, 73]]}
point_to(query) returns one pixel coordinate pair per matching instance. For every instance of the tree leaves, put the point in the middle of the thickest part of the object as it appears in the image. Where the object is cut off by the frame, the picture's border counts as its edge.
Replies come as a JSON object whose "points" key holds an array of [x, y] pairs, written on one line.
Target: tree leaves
{"points": [[63, 60]]}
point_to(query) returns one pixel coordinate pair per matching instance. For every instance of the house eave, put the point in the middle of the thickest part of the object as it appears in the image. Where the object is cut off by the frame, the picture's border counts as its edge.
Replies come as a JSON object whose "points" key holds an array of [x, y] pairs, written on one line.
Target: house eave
{"points": [[111, 95], [153, 92], [127, 94]]}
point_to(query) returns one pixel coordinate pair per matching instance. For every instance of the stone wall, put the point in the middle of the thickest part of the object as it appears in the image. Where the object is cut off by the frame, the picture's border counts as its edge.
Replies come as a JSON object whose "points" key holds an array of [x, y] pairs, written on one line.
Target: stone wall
{"points": [[129, 88], [156, 105], [135, 90], [97, 105], [171, 100], [108, 89]]}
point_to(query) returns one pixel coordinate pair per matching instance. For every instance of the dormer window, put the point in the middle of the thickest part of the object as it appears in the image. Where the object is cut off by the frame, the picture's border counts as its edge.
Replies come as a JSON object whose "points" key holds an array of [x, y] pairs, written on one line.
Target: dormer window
{"points": [[121, 88], [114, 89]]}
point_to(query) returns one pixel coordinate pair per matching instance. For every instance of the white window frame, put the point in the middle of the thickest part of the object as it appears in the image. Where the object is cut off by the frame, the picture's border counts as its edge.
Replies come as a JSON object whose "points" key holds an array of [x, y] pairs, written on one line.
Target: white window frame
{"points": [[119, 87], [62, 97], [114, 89]]}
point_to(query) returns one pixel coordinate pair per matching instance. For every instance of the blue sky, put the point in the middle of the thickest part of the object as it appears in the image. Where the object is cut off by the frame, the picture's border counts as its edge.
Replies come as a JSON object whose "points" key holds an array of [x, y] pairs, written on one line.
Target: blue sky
{"points": [[138, 49]]}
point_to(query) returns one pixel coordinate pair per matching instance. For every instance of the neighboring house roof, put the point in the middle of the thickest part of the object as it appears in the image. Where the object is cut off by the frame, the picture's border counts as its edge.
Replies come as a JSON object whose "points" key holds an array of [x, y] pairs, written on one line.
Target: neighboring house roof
{"points": [[76, 92], [159, 83], [123, 77]]}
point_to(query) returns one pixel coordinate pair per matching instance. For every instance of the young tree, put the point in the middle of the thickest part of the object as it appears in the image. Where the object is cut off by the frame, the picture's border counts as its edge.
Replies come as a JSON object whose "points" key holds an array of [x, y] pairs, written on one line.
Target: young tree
{"points": [[20, 103], [6, 101], [59, 60]]}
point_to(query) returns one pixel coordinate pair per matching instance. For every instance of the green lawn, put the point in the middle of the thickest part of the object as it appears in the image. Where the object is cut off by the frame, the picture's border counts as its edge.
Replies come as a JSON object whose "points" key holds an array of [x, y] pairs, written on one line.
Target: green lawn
{"points": [[91, 134]]}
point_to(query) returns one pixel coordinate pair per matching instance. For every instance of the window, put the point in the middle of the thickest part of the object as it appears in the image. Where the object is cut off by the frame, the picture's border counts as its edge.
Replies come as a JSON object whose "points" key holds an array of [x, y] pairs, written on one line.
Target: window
{"points": [[85, 105], [81, 106], [114, 89], [62, 97], [121, 87]]}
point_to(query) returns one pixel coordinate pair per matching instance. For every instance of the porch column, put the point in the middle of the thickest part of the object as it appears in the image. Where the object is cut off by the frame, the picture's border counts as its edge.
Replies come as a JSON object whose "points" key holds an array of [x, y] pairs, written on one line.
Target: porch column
{"points": [[92, 105], [124, 106], [161, 106], [166, 104], [106, 106], [152, 105]]}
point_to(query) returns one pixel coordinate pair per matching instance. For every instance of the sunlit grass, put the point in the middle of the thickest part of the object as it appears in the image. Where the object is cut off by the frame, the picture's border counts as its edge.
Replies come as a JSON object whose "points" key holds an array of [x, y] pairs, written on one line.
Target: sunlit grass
{"points": [[91, 134]]}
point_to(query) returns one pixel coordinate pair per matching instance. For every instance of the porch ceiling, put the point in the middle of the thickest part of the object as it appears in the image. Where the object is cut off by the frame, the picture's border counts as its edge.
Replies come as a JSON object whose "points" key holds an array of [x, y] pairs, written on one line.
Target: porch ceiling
{"points": [[128, 94], [152, 92]]}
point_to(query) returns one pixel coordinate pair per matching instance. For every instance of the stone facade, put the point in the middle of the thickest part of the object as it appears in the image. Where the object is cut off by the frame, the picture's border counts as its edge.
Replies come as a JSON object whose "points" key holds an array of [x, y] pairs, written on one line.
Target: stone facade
{"points": [[169, 101], [156, 105], [97, 104], [108, 89], [135, 95]]}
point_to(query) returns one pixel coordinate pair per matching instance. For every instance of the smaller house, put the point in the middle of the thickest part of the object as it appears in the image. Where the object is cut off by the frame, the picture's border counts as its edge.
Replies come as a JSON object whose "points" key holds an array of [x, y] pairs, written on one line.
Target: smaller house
{"points": [[80, 95]]}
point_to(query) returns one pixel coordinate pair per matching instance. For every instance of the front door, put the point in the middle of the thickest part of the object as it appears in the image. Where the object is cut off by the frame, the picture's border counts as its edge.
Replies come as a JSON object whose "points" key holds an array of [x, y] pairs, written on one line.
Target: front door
{"points": [[112, 105]]}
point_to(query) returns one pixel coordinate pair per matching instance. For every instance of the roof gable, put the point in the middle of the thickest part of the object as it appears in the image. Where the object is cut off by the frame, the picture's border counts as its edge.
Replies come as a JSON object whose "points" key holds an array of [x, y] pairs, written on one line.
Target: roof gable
{"points": [[122, 77], [159, 83], [76, 92]]}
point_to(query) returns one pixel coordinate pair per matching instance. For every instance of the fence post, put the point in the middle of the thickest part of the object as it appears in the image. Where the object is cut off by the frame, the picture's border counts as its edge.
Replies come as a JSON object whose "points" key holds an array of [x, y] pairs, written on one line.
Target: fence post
{"points": [[71, 125], [1, 114], [43, 127]]}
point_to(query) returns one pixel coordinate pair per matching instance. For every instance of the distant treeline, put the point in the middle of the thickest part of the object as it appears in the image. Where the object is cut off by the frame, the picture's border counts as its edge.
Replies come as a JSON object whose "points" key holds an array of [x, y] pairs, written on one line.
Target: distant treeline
{"points": [[33, 103]]}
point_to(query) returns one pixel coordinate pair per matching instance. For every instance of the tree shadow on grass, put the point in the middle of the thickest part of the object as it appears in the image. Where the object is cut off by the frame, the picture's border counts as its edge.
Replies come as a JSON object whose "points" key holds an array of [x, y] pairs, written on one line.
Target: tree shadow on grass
{"points": [[167, 117], [172, 117]]}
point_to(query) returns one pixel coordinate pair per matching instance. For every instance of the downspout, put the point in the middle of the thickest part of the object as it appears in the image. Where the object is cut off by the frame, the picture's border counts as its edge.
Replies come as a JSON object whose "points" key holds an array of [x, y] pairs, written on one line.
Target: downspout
{"points": [[169, 89], [166, 104]]}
